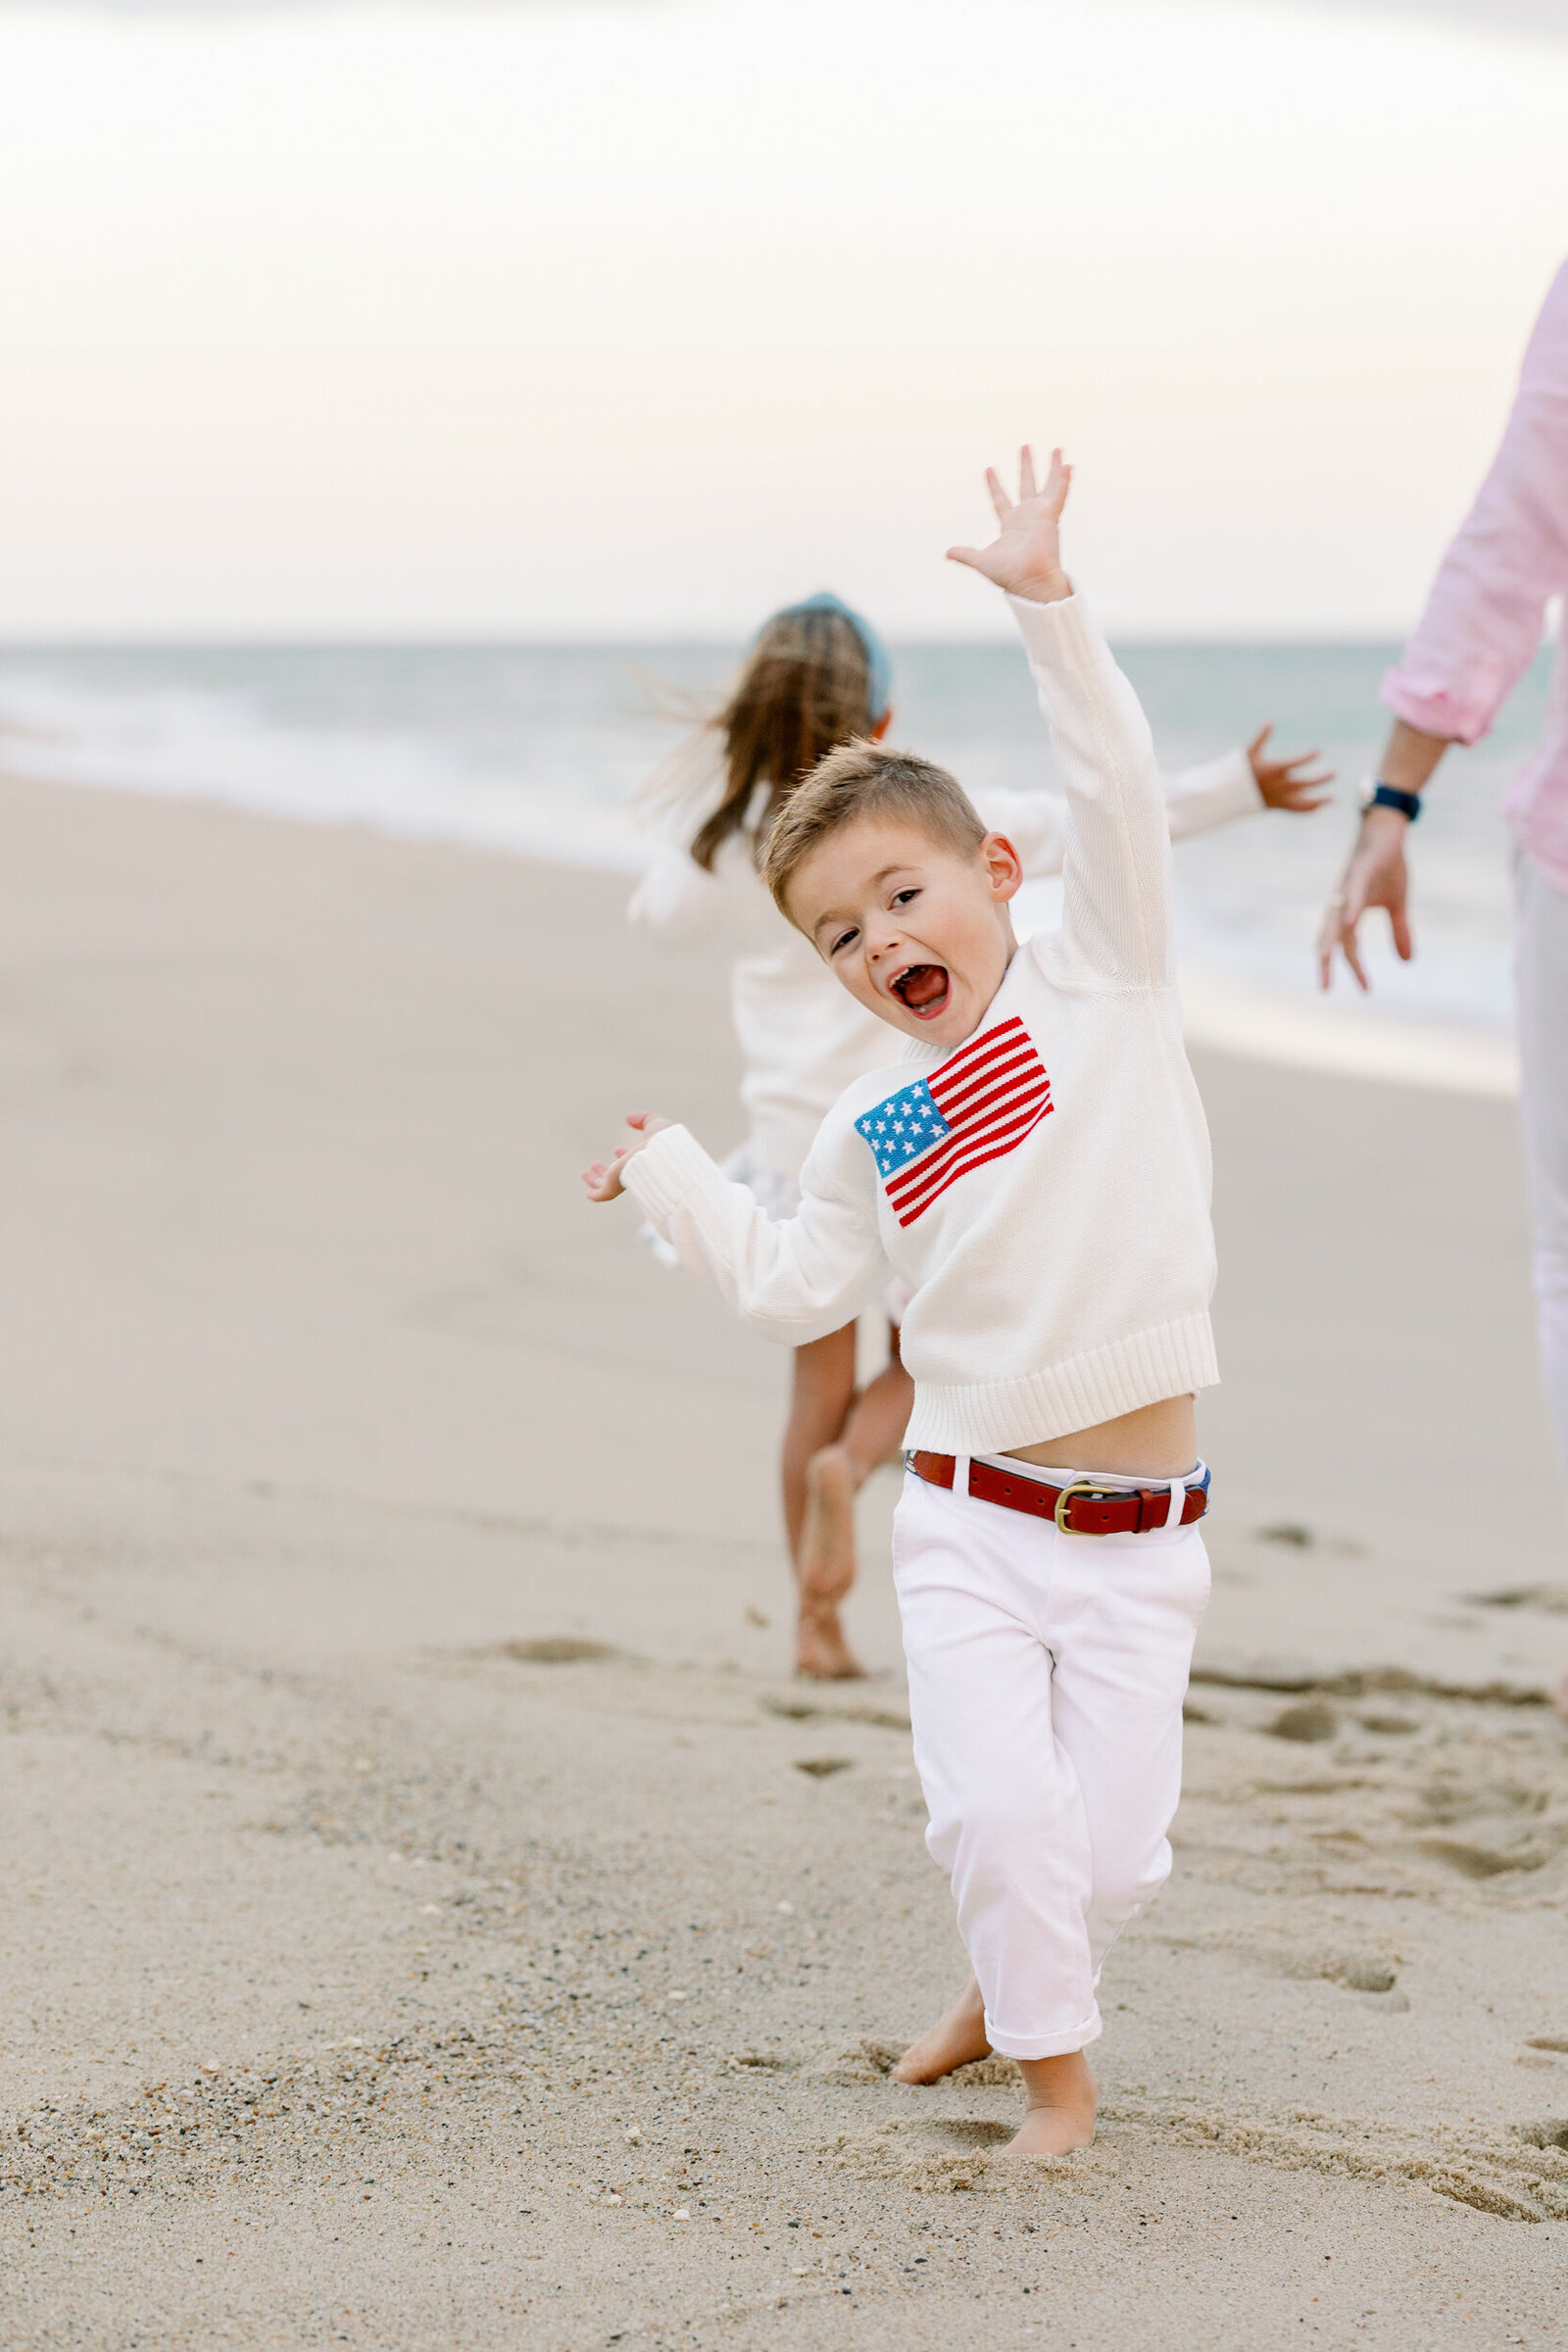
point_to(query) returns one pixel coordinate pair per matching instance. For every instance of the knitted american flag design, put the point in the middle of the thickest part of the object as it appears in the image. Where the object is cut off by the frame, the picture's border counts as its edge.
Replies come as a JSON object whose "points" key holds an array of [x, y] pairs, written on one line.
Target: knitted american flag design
{"points": [[979, 1106]]}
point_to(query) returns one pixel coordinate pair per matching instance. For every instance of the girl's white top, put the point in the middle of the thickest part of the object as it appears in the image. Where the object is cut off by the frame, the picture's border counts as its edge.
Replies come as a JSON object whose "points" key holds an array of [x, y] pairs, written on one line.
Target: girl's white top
{"points": [[803, 1036], [1043, 1191]]}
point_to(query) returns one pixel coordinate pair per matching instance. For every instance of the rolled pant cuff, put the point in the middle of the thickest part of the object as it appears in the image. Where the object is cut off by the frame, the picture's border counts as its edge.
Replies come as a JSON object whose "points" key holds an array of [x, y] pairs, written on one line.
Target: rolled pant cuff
{"points": [[1030, 2046]]}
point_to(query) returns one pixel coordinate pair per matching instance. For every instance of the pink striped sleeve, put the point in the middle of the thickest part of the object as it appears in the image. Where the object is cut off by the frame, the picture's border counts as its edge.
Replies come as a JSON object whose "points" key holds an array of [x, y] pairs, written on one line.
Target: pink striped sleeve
{"points": [[1483, 619]]}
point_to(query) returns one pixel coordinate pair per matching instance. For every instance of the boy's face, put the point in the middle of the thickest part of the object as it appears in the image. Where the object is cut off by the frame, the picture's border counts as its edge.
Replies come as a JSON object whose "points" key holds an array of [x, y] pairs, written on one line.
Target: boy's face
{"points": [[918, 932]]}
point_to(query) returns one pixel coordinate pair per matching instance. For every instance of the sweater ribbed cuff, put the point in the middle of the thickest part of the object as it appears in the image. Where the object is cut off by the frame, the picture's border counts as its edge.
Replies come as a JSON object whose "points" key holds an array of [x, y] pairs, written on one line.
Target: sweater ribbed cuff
{"points": [[667, 1171], [1233, 790], [1049, 630]]}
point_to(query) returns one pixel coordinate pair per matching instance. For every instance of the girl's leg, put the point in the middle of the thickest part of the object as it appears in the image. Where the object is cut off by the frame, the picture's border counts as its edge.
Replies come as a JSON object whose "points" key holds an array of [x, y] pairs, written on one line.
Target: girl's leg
{"points": [[822, 1396], [873, 1428]]}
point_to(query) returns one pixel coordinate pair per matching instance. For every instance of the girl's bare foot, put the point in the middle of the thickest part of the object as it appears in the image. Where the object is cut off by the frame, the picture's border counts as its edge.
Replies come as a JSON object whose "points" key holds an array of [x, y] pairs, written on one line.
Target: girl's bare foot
{"points": [[821, 1649], [958, 2039], [1061, 2114], [826, 1566]]}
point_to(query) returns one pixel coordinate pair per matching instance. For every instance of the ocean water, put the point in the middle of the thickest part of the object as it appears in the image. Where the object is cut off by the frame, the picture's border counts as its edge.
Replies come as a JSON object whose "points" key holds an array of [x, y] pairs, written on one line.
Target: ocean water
{"points": [[539, 750]]}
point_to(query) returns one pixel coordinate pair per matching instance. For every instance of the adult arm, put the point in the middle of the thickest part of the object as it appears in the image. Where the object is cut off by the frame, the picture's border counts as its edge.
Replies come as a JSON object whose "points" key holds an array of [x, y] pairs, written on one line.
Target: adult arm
{"points": [[1482, 618], [1478, 633]]}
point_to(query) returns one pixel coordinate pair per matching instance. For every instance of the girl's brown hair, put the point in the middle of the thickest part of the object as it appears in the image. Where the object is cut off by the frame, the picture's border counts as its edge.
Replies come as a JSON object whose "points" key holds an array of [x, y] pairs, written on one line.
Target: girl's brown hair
{"points": [[805, 689]]}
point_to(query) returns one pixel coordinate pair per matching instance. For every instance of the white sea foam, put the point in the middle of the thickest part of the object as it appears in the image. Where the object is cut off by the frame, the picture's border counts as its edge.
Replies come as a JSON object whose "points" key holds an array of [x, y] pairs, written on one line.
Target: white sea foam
{"points": [[1310, 1034], [187, 744]]}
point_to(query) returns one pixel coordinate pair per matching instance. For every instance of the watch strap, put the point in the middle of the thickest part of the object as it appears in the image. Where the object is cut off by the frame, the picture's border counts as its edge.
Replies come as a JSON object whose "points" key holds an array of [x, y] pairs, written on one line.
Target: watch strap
{"points": [[1389, 796]]}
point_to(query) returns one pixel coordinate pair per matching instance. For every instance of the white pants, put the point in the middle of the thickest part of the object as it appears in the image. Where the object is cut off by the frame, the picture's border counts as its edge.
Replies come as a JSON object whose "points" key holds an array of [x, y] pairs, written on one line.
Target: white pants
{"points": [[1541, 962], [1045, 1681]]}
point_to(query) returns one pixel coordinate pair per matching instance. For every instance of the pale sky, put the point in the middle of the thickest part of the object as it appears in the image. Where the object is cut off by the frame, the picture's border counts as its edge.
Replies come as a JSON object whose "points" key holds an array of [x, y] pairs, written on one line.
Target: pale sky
{"points": [[598, 319]]}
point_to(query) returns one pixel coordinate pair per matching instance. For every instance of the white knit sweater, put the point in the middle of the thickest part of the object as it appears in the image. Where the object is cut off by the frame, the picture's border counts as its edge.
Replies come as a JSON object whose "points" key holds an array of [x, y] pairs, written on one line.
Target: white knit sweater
{"points": [[1042, 1191], [802, 1038]]}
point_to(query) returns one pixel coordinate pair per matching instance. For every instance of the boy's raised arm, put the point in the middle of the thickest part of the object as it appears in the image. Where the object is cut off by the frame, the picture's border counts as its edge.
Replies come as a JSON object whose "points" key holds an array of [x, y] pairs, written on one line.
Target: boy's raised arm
{"points": [[1116, 912]]}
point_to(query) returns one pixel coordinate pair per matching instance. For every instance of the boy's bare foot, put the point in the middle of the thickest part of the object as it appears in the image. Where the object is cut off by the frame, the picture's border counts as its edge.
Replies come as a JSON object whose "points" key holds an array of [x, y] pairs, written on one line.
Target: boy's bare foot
{"points": [[958, 2039], [821, 1649], [1061, 2114], [826, 1566]]}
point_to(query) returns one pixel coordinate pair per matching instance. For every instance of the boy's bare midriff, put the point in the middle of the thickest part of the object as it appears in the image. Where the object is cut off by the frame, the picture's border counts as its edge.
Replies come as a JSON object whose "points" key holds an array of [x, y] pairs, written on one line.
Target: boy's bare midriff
{"points": [[1158, 1441]]}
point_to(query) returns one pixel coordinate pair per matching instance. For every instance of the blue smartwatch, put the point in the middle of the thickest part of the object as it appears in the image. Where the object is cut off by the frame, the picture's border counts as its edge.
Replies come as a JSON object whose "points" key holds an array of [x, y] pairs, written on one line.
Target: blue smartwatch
{"points": [[1388, 796]]}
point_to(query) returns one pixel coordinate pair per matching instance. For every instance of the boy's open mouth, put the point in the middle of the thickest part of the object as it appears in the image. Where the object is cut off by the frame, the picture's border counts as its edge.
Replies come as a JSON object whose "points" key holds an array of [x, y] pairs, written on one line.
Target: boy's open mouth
{"points": [[922, 990]]}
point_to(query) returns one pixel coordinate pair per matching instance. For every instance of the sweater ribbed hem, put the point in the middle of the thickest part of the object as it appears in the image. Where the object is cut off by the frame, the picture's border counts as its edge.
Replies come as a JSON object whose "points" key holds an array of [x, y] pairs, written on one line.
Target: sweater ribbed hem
{"points": [[1168, 1360]]}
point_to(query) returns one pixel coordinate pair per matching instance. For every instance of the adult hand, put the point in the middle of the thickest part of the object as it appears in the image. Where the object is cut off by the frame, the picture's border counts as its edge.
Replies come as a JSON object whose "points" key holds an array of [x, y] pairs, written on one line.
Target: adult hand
{"points": [[1376, 876]]}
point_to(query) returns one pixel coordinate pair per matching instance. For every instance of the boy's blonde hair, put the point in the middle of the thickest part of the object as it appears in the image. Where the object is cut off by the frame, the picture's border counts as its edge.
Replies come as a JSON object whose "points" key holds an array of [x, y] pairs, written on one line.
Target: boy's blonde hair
{"points": [[865, 779]]}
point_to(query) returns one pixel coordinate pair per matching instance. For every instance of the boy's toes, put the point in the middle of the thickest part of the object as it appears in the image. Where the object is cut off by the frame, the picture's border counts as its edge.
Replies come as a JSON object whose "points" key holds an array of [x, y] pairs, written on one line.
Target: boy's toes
{"points": [[1051, 2131], [959, 2041]]}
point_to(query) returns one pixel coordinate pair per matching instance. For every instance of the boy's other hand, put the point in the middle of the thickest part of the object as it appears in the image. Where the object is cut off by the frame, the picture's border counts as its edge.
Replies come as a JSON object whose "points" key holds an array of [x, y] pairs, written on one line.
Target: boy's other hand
{"points": [[603, 1179], [1025, 555], [1278, 781]]}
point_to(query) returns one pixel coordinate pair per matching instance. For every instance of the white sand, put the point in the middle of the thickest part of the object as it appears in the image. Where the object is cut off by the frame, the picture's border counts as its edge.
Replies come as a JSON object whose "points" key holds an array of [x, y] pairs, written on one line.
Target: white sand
{"points": [[344, 1945]]}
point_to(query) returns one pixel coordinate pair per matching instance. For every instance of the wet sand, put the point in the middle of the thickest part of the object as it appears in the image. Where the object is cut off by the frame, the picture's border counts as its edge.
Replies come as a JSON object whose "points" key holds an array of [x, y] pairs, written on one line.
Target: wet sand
{"points": [[430, 1914]]}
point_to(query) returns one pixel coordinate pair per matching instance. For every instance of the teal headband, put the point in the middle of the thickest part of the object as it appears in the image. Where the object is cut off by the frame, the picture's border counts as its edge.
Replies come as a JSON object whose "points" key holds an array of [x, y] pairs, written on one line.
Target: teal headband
{"points": [[878, 668]]}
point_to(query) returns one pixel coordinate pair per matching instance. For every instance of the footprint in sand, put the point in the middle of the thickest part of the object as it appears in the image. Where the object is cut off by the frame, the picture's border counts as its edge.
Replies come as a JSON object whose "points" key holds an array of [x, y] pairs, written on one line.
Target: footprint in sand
{"points": [[556, 1649], [1307, 1724], [923, 2157], [1479, 1861]]}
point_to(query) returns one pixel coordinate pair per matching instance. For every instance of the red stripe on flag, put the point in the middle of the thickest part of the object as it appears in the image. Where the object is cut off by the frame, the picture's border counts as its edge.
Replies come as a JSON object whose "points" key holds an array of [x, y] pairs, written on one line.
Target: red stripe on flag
{"points": [[1015, 1117], [992, 1093], [952, 1101], [997, 1089], [998, 1152]]}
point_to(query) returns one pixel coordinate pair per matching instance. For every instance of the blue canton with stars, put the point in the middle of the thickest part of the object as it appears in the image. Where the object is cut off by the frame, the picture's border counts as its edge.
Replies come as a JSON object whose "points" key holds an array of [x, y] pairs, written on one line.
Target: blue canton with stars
{"points": [[899, 1129]]}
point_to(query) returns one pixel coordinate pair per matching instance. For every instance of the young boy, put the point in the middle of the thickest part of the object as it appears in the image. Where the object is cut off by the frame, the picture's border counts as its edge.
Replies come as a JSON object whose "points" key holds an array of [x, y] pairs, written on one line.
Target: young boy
{"points": [[1037, 1171]]}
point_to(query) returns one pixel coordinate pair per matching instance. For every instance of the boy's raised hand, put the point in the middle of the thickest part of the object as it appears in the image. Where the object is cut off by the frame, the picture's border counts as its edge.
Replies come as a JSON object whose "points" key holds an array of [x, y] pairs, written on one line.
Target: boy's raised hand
{"points": [[1025, 555], [603, 1179]]}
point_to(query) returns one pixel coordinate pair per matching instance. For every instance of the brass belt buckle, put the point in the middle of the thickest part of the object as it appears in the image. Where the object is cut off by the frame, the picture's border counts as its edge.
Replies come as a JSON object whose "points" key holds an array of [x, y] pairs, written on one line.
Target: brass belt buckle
{"points": [[1077, 1486]]}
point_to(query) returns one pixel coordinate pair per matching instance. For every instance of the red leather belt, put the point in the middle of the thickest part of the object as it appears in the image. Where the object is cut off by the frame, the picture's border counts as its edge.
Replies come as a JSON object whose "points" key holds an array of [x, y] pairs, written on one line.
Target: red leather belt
{"points": [[1080, 1508]]}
